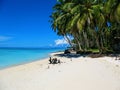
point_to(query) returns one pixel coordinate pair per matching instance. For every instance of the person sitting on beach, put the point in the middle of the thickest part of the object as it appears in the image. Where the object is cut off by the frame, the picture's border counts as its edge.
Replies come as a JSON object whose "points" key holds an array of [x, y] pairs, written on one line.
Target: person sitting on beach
{"points": [[54, 61], [59, 61], [50, 60]]}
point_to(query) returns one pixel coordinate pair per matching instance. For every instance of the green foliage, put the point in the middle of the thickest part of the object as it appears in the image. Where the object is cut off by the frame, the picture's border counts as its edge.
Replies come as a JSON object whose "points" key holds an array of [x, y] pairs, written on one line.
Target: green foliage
{"points": [[86, 21]]}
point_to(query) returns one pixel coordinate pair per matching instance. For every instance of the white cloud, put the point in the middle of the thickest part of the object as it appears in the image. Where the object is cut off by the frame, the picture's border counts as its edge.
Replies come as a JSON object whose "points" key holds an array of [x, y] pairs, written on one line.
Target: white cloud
{"points": [[61, 42], [4, 38]]}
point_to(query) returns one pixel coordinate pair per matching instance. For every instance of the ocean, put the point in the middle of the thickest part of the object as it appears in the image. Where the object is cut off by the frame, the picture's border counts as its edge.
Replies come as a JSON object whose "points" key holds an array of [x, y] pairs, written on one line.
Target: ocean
{"points": [[15, 56]]}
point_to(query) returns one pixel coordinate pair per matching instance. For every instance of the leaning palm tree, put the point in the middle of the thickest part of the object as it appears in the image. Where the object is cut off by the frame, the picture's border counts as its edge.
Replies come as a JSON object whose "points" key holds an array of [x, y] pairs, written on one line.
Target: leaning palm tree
{"points": [[86, 21], [59, 20], [84, 14]]}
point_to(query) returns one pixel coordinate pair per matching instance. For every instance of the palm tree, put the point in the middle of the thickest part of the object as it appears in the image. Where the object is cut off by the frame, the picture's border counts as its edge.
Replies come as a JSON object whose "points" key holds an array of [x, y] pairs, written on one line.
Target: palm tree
{"points": [[87, 21], [112, 11], [59, 20], [83, 18]]}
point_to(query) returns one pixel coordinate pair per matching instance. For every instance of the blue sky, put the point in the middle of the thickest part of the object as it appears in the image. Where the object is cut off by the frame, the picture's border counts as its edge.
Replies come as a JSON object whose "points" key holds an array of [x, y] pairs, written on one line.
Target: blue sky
{"points": [[24, 23]]}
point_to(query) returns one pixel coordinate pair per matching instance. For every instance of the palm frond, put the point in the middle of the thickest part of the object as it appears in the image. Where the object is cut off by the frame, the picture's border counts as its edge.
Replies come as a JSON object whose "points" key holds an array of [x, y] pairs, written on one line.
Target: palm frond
{"points": [[68, 6], [76, 9], [75, 19]]}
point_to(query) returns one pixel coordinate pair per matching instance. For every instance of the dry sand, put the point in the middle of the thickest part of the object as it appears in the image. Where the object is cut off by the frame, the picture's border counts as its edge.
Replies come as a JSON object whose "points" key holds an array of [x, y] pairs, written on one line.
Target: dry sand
{"points": [[76, 73]]}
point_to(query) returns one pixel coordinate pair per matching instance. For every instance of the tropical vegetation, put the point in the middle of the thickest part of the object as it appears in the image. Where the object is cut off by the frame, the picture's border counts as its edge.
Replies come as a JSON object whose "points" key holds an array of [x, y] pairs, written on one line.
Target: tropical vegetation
{"points": [[93, 24]]}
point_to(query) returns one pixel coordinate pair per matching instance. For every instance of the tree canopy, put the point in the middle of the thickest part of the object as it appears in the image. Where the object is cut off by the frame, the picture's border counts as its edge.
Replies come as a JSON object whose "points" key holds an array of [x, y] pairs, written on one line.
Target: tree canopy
{"points": [[92, 23]]}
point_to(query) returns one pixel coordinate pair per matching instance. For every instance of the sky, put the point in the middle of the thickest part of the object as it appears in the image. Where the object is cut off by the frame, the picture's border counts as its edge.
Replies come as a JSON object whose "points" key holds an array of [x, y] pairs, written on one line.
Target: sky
{"points": [[25, 23]]}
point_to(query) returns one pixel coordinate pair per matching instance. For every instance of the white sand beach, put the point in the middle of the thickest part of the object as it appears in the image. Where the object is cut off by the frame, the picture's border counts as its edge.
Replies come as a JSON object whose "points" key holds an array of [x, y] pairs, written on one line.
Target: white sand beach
{"points": [[76, 73]]}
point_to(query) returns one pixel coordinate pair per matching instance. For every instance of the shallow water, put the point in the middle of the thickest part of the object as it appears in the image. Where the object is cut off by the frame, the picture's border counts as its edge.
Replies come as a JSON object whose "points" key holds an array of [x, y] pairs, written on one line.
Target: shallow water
{"points": [[15, 56]]}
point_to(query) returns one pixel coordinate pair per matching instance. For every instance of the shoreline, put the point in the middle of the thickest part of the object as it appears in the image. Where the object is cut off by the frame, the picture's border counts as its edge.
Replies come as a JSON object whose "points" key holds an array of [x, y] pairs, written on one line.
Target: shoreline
{"points": [[79, 73], [24, 63], [32, 61], [53, 54]]}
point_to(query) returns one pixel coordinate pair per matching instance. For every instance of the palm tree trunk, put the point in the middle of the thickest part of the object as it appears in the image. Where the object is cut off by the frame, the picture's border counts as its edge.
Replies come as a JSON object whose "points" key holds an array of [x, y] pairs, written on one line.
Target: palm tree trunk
{"points": [[76, 37], [97, 41], [68, 40], [79, 44], [85, 40]]}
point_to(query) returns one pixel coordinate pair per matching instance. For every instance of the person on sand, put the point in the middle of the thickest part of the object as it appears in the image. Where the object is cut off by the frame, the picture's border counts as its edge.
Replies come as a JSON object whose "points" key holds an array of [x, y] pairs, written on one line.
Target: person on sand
{"points": [[50, 60], [55, 61], [59, 61]]}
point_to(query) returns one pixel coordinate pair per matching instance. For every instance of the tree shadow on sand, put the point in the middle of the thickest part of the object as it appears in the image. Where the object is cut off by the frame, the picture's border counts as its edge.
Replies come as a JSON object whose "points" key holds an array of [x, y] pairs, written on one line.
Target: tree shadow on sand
{"points": [[73, 55]]}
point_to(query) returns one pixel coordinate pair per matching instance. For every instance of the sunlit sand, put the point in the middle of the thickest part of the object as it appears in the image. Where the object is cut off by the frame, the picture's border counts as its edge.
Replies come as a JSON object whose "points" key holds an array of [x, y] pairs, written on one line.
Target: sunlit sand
{"points": [[76, 73]]}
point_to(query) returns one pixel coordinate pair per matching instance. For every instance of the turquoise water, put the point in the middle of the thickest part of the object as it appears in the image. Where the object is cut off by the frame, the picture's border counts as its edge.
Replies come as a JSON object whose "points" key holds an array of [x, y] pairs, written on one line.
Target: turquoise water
{"points": [[15, 56]]}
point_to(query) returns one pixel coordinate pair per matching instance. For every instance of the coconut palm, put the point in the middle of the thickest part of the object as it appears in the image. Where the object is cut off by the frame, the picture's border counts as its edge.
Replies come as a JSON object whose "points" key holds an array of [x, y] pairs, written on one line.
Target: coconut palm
{"points": [[59, 20], [112, 11], [87, 21], [83, 17]]}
